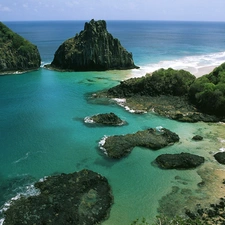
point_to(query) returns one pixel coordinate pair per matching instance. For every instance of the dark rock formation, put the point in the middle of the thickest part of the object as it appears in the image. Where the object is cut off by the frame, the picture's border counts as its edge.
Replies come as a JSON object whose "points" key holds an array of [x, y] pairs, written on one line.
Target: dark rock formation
{"points": [[120, 145], [179, 161], [220, 157], [79, 198], [197, 138], [109, 119], [16, 53], [93, 49], [165, 92]]}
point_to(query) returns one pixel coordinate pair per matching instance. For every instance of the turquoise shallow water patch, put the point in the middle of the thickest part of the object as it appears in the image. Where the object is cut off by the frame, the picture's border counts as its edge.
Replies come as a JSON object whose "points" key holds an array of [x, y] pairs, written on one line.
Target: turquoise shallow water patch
{"points": [[43, 133]]}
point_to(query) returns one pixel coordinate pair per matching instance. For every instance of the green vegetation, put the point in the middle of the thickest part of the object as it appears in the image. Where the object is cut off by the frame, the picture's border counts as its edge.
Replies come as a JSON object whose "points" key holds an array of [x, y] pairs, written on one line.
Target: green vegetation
{"points": [[13, 40], [16, 53], [208, 92], [161, 82], [171, 82]]}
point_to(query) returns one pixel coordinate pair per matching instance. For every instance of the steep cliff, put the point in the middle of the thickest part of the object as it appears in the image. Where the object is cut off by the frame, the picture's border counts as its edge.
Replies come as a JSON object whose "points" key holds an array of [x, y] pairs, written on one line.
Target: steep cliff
{"points": [[16, 53], [93, 49]]}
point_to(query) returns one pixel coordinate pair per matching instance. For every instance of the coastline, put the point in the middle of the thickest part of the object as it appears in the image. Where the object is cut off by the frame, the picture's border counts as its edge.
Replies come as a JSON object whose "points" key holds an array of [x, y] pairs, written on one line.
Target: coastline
{"points": [[196, 71], [203, 70]]}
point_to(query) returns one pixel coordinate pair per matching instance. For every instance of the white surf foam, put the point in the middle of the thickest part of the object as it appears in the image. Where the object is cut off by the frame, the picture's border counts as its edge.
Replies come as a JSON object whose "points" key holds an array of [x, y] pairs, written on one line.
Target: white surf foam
{"points": [[198, 65], [22, 158], [101, 144], [88, 119], [30, 191], [122, 102]]}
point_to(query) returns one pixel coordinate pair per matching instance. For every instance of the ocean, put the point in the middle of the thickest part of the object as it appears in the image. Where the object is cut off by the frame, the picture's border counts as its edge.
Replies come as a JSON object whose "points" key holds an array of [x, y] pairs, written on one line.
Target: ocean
{"points": [[42, 129]]}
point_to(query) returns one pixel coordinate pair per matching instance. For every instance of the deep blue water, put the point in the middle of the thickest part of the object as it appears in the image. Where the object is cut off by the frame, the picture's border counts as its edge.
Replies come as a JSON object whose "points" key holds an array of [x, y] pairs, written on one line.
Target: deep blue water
{"points": [[149, 41], [41, 118]]}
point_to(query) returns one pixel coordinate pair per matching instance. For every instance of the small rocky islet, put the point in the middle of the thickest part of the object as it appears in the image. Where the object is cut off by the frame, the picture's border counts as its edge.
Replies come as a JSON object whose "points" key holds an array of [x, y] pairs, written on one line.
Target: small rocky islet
{"points": [[179, 161], [16, 53], [83, 197], [119, 146], [93, 49], [107, 119], [220, 157]]}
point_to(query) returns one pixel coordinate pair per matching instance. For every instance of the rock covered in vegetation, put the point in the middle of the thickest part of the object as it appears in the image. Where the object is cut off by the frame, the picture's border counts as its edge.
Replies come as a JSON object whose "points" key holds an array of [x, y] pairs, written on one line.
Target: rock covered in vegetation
{"points": [[120, 145], [176, 94], [220, 157], [179, 161], [93, 49], [161, 82], [208, 92], [16, 53], [79, 198], [110, 119]]}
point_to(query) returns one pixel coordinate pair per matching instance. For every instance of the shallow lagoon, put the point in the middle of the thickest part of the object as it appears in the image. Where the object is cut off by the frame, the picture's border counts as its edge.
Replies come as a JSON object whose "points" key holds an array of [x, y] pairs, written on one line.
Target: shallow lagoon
{"points": [[43, 133]]}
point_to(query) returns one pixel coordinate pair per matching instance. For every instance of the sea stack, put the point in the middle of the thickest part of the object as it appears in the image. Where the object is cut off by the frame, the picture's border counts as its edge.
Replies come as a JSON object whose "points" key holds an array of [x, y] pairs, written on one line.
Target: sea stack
{"points": [[16, 53], [93, 49]]}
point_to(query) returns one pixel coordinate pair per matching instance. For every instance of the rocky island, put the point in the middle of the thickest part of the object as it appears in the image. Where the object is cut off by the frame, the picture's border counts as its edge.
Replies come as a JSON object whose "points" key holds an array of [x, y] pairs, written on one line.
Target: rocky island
{"points": [[119, 146], [179, 161], [93, 49], [16, 53], [220, 157], [176, 94], [78, 198], [108, 119]]}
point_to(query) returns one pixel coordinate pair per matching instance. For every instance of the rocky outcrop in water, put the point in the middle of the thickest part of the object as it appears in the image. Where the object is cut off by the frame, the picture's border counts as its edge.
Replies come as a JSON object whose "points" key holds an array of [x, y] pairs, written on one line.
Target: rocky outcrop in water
{"points": [[108, 119], [197, 138], [16, 53], [179, 161], [93, 49], [220, 157], [170, 93], [79, 198], [120, 145]]}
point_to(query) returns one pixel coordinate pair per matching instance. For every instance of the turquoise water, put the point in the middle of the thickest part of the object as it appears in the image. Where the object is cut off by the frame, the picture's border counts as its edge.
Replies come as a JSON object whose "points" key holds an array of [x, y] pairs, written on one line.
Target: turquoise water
{"points": [[41, 118]]}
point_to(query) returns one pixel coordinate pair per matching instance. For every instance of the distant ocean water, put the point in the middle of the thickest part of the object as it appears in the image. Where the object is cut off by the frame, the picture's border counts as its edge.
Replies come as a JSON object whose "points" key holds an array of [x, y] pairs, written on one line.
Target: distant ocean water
{"points": [[41, 118]]}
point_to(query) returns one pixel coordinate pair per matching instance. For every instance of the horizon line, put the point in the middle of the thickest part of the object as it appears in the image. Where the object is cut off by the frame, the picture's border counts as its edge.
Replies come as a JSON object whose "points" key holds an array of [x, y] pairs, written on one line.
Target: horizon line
{"points": [[61, 20]]}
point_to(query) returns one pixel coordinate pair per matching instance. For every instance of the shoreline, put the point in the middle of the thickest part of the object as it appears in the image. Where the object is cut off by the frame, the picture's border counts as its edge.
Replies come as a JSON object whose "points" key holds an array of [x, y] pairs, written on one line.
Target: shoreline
{"points": [[197, 72]]}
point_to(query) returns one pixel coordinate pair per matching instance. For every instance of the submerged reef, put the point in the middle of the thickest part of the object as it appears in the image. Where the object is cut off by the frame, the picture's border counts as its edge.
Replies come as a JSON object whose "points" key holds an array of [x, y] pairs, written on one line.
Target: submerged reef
{"points": [[78, 198], [176, 94], [16, 53], [119, 146], [93, 49]]}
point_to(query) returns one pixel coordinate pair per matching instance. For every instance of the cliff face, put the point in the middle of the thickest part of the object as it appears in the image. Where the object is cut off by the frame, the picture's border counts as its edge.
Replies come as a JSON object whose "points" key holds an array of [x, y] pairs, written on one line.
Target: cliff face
{"points": [[92, 49], [16, 53]]}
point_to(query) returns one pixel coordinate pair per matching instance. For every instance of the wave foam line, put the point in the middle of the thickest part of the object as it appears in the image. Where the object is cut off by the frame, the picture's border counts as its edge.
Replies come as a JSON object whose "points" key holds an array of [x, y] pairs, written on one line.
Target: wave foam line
{"points": [[22, 158], [101, 144], [198, 65], [30, 191], [88, 119]]}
